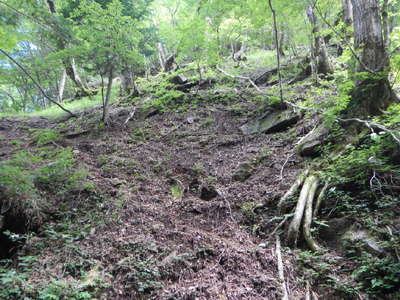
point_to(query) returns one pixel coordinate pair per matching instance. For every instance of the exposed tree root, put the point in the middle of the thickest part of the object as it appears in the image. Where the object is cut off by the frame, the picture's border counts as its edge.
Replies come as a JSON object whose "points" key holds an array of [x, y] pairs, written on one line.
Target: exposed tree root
{"points": [[293, 189], [310, 184], [319, 199], [303, 215], [312, 244]]}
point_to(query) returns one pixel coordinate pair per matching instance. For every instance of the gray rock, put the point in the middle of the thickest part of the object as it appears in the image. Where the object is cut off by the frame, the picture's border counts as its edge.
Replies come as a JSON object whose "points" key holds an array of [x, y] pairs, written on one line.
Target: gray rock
{"points": [[272, 121], [369, 243], [179, 79], [263, 245], [309, 146]]}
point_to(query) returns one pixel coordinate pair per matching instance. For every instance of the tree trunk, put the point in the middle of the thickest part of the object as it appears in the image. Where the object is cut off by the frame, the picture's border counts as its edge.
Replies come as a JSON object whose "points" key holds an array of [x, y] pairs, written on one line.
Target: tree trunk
{"points": [[108, 95], [281, 42], [69, 63], [161, 55], [278, 57], [385, 23], [61, 86], [128, 83], [372, 92], [322, 63], [347, 7], [70, 68]]}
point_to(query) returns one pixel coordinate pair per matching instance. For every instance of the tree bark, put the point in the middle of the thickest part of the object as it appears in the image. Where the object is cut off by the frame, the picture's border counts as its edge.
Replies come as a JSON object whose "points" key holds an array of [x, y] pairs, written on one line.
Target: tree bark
{"points": [[278, 58], [108, 95], [347, 7], [293, 232], [61, 86], [128, 83], [372, 92], [281, 42], [322, 63], [385, 23], [161, 55]]}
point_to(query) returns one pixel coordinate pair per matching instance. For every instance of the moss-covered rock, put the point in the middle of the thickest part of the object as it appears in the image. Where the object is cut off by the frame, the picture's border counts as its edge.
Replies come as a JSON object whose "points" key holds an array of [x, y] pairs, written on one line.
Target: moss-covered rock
{"points": [[272, 121], [310, 145]]}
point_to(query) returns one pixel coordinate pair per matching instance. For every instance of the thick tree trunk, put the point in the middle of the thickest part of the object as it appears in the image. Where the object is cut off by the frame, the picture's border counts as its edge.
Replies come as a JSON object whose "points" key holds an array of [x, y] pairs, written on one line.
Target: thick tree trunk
{"points": [[128, 83], [372, 92], [72, 73], [322, 63]]}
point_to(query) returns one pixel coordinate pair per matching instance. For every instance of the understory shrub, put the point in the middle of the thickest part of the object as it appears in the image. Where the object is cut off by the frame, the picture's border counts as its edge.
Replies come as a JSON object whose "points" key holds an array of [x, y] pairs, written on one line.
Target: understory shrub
{"points": [[29, 175]]}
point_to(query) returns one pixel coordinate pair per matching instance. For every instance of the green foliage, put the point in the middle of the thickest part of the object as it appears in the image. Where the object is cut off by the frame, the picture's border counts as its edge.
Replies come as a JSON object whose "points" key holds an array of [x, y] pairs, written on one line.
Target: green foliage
{"points": [[359, 164], [16, 285], [378, 276], [110, 34], [45, 136], [391, 117], [24, 178], [177, 191]]}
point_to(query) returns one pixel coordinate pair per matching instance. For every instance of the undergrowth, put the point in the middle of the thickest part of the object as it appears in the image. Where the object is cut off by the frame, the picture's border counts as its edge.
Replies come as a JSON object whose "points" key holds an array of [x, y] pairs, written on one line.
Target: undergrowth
{"points": [[29, 175]]}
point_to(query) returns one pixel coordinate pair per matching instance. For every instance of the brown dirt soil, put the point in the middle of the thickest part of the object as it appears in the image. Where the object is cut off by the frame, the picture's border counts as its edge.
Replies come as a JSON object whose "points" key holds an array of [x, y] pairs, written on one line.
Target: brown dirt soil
{"points": [[151, 230]]}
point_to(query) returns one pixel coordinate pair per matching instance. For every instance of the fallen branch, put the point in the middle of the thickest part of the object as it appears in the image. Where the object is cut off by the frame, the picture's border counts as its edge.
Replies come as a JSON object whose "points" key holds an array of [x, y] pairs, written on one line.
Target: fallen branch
{"points": [[281, 272], [242, 77], [130, 115], [372, 125], [283, 166], [36, 83], [279, 226]]}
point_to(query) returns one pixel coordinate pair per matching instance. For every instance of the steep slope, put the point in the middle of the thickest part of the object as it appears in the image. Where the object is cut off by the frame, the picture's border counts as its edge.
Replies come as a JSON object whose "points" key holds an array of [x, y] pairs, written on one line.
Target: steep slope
{"points": [[175, 205]]}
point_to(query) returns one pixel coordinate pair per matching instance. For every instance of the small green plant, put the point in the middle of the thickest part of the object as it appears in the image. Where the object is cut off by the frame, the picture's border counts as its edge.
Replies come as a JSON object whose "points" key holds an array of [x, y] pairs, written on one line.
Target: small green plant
{"points": [[378, 276], [15, 284], [45, 136], [177, 191], [15, 143], [24, 178]]}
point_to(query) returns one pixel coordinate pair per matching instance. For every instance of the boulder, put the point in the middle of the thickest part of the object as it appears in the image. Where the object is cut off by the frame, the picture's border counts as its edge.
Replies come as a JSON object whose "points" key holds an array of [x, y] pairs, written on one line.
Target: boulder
{"points": [[179, 79], [310, 145], [272, 121], [368, 242]]}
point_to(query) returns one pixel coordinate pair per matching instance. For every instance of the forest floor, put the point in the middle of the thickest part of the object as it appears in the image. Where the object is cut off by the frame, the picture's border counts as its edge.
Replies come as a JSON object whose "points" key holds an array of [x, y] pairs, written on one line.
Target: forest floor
{"points": [[173, 221]]}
